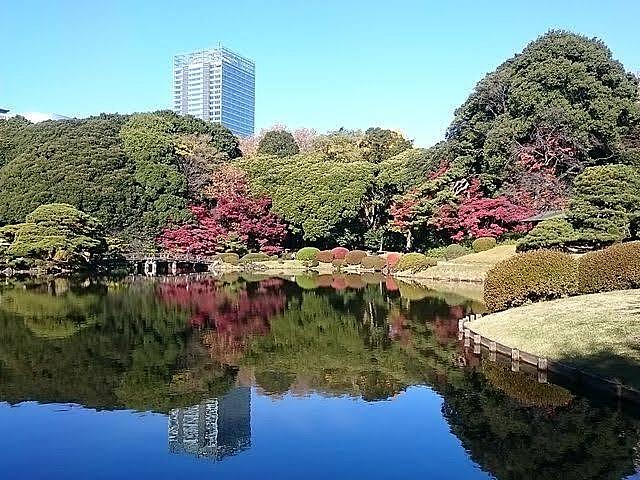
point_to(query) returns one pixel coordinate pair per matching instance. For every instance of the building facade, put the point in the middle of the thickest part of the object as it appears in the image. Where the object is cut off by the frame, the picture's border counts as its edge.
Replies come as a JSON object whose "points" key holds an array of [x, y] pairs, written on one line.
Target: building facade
{"points": [[214, 429], [216, 85]]}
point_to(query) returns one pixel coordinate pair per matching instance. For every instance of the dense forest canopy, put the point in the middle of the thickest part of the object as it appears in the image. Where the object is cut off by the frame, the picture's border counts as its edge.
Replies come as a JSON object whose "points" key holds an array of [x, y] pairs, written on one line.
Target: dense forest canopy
{"points": [[525, 142], [134, 173]]}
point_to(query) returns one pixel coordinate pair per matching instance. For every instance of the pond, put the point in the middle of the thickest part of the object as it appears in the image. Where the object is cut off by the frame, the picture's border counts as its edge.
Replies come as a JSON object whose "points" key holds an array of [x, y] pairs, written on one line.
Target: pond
{"points": [[250, 377]]}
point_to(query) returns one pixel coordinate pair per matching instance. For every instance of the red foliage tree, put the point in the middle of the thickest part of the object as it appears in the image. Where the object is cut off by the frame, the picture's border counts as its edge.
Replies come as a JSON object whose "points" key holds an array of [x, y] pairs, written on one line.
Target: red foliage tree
{"points": [[237, 216], [479, 216]]}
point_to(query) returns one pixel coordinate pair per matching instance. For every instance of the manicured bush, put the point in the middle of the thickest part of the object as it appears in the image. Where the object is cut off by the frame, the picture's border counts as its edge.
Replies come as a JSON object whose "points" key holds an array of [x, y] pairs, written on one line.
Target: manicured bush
{"points": [[311, 263], [483, 244], [614, 268], [338, 263], [339, 252], [392, 259], [530, 277], [354, 257], [374, 262], [324, 256], [254, 257], [230, 257], [307, 253], [455, 250], [436, 252], [415, 262], [552, 233]]}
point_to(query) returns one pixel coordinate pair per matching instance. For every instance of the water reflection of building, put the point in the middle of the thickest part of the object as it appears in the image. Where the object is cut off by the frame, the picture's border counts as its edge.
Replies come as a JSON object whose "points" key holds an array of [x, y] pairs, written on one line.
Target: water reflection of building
{"points": [[214, 429]]}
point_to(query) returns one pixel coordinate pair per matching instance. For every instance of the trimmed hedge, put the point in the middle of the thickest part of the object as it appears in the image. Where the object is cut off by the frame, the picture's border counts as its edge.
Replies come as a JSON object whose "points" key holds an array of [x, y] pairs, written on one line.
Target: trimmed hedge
{"points": [[374, 262], [324, 256], [355, 257], [415, 262], [455, 250], [530, 277], [255, 257], [614, 268], [307, 253], [230, 257], [339, 252], [483, 244]]}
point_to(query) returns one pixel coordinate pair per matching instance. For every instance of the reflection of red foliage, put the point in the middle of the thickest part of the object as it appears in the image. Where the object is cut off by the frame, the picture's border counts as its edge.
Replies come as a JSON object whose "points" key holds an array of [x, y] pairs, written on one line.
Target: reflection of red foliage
{"points": [[339, 283], [233, 316], [391, 284], [398, 326], [446, 328]]}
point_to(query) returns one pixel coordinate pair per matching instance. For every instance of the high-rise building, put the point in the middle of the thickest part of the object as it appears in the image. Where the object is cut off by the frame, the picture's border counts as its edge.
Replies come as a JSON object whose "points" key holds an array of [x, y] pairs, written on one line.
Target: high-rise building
{"points": [[214, 429], [217, 85]]}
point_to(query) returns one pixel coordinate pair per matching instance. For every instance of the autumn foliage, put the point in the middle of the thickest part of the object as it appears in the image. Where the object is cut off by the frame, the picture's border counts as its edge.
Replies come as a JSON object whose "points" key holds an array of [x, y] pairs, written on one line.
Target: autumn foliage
{"points": [[478, 216], [236, 217]]}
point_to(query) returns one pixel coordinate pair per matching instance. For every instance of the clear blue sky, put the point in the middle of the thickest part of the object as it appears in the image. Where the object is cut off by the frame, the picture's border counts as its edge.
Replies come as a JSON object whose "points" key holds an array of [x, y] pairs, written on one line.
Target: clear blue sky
{"points": [[323, 64]]}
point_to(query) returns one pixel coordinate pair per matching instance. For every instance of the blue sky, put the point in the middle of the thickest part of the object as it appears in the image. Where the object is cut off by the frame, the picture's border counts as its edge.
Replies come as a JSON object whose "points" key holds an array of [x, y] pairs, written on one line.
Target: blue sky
{"points": [[405, 64]]}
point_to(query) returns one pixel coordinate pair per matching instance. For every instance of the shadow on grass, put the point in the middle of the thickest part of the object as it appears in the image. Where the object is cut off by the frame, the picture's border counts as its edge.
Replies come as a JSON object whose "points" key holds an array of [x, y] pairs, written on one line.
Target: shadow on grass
{"points": [[609, 365]]}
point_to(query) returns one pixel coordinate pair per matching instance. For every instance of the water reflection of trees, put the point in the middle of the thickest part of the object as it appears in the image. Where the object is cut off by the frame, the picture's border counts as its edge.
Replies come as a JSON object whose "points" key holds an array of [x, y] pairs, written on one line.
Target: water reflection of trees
{"points": [[162, 346], [126, 349], [579, 440]]}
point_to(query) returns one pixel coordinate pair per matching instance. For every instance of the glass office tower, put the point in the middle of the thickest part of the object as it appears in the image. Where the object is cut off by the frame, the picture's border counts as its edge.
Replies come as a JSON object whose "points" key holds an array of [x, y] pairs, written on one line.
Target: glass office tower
{"points": [[217, 85]]}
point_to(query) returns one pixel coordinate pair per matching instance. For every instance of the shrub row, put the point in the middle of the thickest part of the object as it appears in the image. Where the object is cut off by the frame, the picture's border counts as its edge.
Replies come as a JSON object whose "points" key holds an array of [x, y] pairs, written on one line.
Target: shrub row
{"points": [[614, 268], [548, 274], [530, 277]]}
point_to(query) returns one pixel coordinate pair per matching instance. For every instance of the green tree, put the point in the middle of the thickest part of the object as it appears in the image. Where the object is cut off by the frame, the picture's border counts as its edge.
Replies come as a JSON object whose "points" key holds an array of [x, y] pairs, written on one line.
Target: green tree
{"points": [[279, 143], [379, 144], [552, 233], [605, 204], [57, 232]]}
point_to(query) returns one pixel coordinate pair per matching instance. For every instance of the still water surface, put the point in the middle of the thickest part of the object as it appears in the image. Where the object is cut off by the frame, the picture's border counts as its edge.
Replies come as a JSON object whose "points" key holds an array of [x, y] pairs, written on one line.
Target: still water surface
{"points": [[324, 377]]}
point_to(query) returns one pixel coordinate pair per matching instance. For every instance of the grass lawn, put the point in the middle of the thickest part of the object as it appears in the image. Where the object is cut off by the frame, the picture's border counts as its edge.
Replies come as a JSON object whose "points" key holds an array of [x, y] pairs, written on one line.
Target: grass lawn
{"points": [[471, 268], [598, 332]]}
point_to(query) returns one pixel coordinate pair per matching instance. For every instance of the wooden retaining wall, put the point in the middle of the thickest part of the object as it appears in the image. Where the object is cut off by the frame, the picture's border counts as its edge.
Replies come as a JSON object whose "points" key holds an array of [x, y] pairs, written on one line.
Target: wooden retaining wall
{"points": [[548, 370]]}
